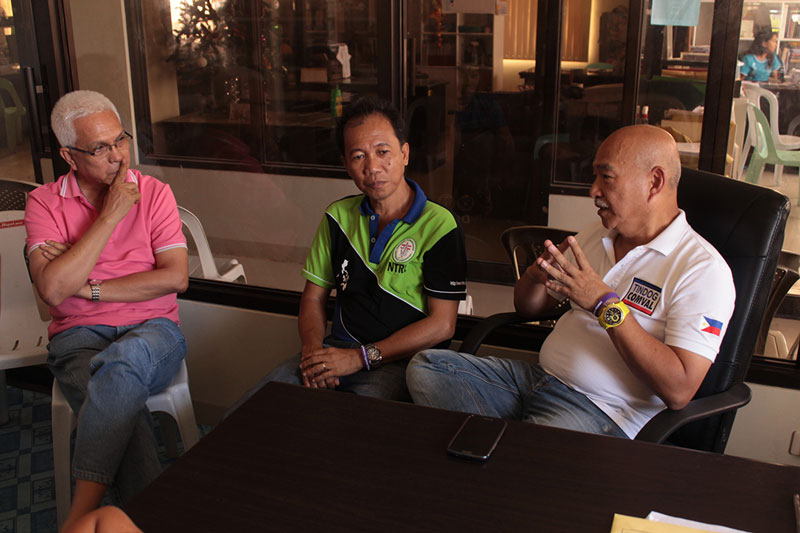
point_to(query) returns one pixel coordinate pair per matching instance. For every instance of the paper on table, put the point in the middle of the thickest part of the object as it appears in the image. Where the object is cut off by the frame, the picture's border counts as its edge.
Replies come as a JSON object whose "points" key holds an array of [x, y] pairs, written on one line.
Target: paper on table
{"points": [[659, 517], [630, 524], [661, 523]]}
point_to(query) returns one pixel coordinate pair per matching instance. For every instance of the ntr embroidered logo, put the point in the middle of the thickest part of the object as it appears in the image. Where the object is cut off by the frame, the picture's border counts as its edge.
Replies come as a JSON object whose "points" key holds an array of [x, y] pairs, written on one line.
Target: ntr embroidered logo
{"points": [[396, 267], [643, 296]]}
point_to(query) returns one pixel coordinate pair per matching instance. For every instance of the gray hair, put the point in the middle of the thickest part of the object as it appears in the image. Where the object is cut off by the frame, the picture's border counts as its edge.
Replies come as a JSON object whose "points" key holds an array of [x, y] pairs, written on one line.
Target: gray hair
{"points": [[75, 105]]}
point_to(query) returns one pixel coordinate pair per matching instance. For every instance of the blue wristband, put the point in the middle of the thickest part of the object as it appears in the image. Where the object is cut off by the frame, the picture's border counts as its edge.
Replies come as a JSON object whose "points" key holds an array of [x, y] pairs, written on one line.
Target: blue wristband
{"points": [[602, 302], [364, 357]]}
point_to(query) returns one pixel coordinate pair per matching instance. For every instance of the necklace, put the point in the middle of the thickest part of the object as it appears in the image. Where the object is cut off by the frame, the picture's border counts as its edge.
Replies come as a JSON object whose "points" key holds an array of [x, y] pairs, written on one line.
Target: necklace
{"points": [[83, 193]]}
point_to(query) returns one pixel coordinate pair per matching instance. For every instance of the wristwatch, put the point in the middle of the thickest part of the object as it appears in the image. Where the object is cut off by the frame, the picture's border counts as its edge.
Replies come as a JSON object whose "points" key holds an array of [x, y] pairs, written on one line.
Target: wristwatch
{"points": [[613, 314], [94, 284], [373, 355]]}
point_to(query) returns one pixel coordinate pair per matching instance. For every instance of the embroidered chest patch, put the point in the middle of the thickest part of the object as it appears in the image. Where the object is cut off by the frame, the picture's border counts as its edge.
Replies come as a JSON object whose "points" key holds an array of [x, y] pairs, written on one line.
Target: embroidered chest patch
{"points": [[643, 296], [404, 251]]}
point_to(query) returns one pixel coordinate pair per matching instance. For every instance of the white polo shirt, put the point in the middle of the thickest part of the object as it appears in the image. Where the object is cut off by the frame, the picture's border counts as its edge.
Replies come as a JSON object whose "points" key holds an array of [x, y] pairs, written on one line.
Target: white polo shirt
{"points": [[679, 289]]}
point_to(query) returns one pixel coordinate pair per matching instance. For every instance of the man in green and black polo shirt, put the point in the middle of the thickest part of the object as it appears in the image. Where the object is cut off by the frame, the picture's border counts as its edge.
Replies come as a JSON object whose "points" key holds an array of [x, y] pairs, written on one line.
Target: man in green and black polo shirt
{"points": [[395, 258]]}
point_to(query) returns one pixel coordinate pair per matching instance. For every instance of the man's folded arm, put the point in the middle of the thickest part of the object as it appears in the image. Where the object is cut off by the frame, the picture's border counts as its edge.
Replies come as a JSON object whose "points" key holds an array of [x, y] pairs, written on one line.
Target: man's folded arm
{"points": [[169, 276], [64, 276]]}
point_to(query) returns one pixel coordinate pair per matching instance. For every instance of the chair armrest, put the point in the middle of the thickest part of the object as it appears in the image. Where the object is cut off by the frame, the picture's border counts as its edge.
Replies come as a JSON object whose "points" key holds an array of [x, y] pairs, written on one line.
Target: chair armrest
{"points": [[474, 338], [666, 422]]}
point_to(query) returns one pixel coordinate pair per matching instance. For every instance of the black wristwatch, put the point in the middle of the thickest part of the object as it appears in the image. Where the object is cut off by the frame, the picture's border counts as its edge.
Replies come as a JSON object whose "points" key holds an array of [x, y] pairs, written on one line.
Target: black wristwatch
{"points": [[374, 355]]}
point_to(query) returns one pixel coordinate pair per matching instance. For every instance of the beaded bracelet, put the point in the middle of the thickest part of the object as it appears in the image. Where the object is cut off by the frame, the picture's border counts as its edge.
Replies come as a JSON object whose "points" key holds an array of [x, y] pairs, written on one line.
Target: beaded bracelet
{"points": [[602, 301], [364, 357]]}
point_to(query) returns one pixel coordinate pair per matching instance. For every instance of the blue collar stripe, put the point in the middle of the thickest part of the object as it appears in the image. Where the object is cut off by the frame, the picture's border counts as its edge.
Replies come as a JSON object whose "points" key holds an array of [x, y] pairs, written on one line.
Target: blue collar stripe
{"points": [[378, 242]]}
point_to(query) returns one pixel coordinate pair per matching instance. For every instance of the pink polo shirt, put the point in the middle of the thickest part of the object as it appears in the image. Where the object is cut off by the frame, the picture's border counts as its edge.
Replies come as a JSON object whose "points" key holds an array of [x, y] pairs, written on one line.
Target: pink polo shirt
{"points": [[59, 212]]}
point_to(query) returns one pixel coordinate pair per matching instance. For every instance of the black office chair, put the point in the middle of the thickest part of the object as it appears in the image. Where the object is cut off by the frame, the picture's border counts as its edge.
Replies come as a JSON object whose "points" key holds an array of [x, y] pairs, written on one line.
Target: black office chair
{"points": [[746, 224], [523, 245], [787, 273]]}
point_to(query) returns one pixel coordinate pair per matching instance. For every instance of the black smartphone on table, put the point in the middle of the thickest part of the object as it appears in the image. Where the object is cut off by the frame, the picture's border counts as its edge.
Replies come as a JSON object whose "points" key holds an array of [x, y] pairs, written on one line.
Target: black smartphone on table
{"points": [[477, 437]]}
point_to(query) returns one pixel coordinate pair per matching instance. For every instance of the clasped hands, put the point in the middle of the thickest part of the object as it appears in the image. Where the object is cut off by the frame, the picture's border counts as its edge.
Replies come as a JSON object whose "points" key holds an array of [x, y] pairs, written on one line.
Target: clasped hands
{"points": [[322, 367], [580, 283]]}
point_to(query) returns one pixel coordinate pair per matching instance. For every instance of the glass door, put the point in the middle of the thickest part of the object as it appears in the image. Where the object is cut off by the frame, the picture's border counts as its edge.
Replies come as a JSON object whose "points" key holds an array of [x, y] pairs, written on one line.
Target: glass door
{"points": [[33, 74], [471, 115]]}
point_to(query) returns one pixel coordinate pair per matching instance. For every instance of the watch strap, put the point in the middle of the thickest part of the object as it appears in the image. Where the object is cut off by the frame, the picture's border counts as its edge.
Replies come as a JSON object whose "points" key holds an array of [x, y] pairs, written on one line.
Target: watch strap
{"points": [[365, 357], [94, 285], [601, 303]]}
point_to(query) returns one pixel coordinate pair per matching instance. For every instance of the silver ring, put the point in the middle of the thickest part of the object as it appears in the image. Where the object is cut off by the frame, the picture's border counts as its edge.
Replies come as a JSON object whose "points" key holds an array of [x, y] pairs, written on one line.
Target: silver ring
{"points": [[324, 368]]}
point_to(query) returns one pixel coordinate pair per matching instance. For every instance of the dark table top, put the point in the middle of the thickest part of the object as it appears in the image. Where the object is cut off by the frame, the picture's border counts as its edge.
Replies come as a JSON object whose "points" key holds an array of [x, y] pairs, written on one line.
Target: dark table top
{"points": [[295, 458]]}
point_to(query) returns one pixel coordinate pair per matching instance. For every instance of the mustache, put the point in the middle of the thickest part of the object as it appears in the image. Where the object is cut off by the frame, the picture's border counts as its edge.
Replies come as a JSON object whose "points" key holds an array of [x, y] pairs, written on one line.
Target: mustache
{"points": [[600, 203]]}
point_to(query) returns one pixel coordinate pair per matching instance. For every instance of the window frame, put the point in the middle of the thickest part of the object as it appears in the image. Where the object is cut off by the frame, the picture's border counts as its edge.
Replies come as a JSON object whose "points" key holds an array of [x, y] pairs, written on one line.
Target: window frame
{"points": [[389, 31]]}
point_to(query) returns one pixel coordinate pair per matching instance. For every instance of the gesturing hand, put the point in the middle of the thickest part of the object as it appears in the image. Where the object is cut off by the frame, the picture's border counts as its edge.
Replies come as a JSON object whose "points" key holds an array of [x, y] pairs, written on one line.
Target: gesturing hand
{"points": [[121, 195], [580, 283], [535, 271]]}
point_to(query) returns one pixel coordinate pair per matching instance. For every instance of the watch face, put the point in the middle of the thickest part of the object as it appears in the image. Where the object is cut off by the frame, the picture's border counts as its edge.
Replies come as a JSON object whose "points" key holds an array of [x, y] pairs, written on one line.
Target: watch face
{"points": [[612, 315], [373, 353]]}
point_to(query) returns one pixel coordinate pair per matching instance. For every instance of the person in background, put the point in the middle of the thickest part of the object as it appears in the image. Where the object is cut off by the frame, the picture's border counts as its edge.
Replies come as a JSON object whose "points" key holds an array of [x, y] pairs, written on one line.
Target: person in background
{"points": [[760, 62]]}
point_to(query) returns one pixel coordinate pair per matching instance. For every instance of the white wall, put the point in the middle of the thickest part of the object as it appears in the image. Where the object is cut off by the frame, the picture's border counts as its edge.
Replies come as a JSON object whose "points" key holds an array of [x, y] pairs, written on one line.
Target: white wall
{"points": [[288, 208], [571, 212], [231, 349], [763, 428], [99, 40]]}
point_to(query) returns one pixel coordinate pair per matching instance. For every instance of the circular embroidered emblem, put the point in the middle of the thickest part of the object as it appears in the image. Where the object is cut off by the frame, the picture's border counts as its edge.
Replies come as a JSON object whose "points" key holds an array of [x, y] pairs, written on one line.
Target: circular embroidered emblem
{"points": [[404, 251]]}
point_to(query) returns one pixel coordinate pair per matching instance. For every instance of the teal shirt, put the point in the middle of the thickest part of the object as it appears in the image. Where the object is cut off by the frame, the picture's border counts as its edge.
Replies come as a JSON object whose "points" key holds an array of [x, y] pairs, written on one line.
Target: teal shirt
{"points": [[755, 69]]}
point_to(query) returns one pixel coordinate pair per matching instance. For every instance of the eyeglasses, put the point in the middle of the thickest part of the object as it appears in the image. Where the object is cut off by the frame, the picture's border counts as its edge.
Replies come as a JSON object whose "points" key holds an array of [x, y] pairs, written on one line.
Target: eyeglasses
{"points": [[104, 149]]}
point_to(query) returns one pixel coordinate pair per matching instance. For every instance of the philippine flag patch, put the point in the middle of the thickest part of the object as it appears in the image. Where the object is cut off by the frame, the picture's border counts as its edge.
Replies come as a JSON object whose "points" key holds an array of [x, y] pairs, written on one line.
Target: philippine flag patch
{"points": [[709, 325]]}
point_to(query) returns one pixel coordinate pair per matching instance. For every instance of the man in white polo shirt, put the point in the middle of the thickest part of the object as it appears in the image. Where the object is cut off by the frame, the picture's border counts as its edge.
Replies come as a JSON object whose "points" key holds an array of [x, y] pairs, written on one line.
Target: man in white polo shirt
{"points": [[650, 301], [108, 256]]}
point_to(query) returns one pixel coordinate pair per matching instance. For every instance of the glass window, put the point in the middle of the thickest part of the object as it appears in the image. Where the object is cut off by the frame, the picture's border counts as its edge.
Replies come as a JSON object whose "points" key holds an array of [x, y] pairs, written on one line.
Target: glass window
{"points": [[672, 83], [769, 63], [254, 84], [590, 94]]}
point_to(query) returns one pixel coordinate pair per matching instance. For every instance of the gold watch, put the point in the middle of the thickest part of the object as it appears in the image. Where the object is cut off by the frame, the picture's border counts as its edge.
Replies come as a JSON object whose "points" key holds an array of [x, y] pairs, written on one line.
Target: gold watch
{"points": [[613, 314]]}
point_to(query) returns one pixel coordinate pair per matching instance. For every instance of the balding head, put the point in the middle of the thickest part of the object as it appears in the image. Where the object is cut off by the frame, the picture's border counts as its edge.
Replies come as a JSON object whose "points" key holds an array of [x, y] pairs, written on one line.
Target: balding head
{"points": [[646, 147], [636, 189]]}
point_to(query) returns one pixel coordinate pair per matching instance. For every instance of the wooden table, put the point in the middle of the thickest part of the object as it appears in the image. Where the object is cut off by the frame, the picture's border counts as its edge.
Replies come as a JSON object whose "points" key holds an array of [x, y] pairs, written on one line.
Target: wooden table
{"points": [[294, 458]]}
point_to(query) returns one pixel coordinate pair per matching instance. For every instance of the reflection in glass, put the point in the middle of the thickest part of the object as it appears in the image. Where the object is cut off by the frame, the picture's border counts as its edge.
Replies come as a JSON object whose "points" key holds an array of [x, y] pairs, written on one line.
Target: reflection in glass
{"points": [[590, 102], [255, 82], [15, 154]]}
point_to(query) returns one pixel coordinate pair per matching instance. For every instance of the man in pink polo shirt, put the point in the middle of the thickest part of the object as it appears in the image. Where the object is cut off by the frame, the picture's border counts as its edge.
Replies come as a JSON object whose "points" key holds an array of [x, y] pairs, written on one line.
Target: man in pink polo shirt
{"points": [[108, 256]]}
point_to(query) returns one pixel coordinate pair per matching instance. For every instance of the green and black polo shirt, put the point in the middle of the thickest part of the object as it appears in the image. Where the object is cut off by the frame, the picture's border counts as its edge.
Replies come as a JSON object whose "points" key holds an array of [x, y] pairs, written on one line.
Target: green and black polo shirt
{"points": [[383, 281]]}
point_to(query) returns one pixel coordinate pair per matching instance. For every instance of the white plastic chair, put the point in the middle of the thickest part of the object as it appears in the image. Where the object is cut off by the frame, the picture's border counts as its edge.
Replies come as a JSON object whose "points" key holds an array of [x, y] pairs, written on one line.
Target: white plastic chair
{"points": [[175, 400], [210, 268], [23, 330], [466, 307], [754, 93]]}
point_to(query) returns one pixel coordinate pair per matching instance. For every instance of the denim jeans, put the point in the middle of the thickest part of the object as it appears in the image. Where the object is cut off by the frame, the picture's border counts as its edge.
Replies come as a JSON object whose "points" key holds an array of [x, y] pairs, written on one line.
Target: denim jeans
{"points": [[387, 382], [503, 388], [106, 374]]}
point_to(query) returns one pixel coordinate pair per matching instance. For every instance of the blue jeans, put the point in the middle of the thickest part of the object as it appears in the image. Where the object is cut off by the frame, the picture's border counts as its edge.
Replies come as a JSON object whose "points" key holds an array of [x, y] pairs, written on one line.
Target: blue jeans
{"points": [[503, 388], [387, 382], [106, 374]]}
